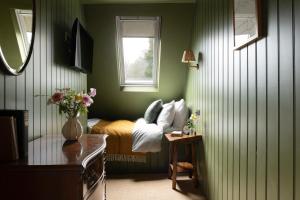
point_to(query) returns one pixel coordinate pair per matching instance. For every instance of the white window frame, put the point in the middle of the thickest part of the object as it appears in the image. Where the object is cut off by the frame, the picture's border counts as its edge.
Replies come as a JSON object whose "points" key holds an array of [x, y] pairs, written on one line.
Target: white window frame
{"points": [[154, 83], [21, 24]]}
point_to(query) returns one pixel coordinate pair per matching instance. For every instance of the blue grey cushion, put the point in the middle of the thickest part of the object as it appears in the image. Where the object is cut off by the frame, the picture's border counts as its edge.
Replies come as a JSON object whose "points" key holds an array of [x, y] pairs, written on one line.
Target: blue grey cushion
{"points": [[153, 111]]}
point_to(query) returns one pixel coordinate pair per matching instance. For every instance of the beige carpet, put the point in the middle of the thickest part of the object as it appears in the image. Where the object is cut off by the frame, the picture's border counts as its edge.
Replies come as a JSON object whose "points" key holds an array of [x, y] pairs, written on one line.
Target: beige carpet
{"points": [[150, 187]]}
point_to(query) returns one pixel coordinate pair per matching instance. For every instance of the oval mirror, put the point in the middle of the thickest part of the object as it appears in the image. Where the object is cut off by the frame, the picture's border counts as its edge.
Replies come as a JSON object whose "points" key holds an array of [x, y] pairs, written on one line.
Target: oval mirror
{"points": [[17, 28]]}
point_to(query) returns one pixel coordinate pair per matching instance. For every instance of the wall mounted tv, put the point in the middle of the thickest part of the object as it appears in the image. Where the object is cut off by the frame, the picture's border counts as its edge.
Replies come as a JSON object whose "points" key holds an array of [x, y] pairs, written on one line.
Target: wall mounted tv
{"points": [[81, 48]]}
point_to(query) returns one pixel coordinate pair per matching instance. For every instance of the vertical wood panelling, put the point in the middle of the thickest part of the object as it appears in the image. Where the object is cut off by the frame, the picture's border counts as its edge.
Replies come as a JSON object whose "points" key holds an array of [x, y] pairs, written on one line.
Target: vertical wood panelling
{"points": [[43, 74], [214, 89], [49, 64], [230, 131], [261, 121], [59, 70], [236, 125], [56, 74], [249, 100], [224, 118], [209, 99], [273, 102], [10, 96], [54, 67], [230, 104], [220, 98], [244, 124], [37, 74], [251, 164], [43, 64], [297, 100], [29, 95], [20, 92], [286, 100]]}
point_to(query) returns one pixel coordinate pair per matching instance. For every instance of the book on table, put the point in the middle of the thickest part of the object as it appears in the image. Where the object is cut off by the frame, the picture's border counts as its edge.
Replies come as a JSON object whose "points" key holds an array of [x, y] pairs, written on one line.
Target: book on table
{"points": [[8, 141], [22, 122], [176, 133]]}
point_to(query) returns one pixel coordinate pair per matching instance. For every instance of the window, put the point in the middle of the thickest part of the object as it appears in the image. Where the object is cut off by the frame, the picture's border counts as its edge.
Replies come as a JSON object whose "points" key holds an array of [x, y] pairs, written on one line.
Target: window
{"points": [[138, 45], [24, 30]]}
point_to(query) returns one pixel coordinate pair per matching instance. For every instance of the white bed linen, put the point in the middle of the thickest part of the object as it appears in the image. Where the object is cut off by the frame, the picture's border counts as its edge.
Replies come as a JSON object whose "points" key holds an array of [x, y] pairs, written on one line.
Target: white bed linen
{"points": [[146, 137], [92, 122]]}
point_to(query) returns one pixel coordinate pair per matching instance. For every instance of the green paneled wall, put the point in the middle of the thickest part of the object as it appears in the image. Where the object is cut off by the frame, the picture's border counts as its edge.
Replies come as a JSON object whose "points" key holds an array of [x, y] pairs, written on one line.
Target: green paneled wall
{"points": [[47, 69], [249, 100], [177, 21]]}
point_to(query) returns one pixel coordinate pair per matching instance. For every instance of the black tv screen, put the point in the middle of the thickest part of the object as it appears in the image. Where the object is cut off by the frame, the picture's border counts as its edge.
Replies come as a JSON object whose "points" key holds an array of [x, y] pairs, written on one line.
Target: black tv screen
{"points": [[81, 48]]}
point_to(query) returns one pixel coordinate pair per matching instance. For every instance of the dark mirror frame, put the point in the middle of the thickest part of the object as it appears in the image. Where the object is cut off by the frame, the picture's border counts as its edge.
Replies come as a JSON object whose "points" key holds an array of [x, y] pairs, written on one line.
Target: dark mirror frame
{"points": [[5, 66], [258, 35]]}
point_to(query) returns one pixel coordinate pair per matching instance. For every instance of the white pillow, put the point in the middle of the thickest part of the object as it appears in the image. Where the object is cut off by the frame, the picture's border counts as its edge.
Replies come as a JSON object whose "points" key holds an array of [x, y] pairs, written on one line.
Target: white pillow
{"points": [[181, 114], [166, 116]]}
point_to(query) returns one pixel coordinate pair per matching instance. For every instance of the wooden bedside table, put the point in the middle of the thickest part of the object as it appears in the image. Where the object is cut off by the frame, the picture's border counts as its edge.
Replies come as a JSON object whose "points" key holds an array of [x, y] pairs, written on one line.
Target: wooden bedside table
{"points": [[173, 157]]}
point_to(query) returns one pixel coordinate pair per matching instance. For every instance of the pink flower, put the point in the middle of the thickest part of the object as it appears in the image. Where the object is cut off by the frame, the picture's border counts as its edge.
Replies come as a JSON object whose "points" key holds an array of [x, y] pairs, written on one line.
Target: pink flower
{"points": [[57, 97], [92, 92], [87, 100]]}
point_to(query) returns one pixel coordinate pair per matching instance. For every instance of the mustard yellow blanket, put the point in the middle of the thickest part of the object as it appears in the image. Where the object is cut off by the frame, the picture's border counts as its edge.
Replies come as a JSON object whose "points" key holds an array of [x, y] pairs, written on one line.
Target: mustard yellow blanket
{"points": [[119, 142]]}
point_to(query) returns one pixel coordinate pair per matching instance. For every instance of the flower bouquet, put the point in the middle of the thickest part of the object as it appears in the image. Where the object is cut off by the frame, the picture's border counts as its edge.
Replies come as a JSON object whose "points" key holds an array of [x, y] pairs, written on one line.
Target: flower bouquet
{"points": [[72, 104], [190, 124]]}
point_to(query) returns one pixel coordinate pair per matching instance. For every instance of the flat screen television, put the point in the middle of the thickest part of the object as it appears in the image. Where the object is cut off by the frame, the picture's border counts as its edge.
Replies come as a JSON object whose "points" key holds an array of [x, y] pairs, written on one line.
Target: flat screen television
{"points": [[81, 48]]}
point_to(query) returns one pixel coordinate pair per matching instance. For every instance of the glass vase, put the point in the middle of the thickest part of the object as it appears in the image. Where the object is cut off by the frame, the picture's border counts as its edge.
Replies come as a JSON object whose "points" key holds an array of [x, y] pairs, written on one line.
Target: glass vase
{"points": [[186, 130], [192, 131]]}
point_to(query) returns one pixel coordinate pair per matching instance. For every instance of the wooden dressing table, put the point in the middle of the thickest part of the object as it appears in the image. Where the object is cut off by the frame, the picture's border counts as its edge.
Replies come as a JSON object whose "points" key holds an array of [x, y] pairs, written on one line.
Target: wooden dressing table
{"points": [[56, 170]]}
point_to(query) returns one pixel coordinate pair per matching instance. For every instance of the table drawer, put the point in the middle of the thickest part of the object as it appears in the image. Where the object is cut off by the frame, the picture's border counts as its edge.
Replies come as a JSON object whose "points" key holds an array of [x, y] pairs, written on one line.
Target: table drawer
{"points": [[93, 175]]}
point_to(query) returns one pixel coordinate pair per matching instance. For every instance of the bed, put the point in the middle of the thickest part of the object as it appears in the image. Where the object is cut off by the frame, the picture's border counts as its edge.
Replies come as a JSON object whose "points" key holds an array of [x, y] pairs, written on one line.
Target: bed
{"points": [[120, 156], [138, 146], [119, 142]]}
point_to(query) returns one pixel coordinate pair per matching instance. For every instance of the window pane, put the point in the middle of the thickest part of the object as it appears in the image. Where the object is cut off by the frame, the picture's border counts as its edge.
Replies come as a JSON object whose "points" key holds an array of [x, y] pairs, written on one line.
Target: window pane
{"points": [[138, 60]]}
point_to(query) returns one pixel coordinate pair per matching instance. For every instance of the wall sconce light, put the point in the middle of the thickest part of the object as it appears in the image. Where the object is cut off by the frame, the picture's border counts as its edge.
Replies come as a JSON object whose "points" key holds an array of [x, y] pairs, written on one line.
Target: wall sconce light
{"points": [[189, 58]]}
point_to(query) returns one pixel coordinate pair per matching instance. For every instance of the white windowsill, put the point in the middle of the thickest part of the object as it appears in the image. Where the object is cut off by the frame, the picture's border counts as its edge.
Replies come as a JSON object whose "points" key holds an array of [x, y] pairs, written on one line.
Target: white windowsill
{"points": [[139, 89]]}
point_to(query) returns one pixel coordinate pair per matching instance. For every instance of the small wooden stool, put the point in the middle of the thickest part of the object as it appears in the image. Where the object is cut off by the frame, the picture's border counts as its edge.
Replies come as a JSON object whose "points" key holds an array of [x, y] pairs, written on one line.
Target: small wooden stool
{"points": [[173, 157]]}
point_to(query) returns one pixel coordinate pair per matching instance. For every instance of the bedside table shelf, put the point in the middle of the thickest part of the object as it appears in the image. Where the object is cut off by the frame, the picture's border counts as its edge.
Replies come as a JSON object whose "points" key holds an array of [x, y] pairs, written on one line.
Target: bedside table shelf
{"points": [[183, 166]]}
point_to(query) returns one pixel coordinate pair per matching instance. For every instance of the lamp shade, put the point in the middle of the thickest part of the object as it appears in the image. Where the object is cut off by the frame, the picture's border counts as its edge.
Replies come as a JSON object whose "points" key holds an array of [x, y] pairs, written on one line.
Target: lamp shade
{"points": [[188, 56]]}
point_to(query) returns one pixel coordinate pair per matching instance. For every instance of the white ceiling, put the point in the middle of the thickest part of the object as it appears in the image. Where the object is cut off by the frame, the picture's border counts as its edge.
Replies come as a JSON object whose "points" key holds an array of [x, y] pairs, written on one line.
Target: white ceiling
{"points": [[134, 1]]}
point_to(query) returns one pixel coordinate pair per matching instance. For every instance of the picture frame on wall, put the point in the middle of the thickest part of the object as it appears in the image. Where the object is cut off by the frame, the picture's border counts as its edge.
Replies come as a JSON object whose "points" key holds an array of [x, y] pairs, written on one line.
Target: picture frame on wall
{"points": [[247, 22]]}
